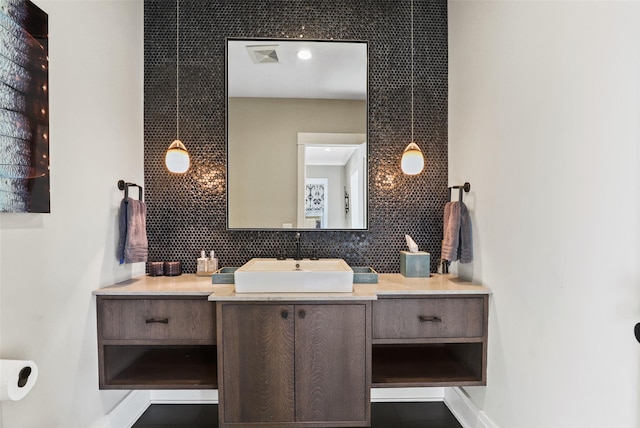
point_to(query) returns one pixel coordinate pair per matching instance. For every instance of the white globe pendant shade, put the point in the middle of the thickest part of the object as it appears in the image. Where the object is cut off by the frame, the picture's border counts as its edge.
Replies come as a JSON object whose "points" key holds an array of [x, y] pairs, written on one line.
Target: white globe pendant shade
{"points": [[177, 158], [412, 160]]}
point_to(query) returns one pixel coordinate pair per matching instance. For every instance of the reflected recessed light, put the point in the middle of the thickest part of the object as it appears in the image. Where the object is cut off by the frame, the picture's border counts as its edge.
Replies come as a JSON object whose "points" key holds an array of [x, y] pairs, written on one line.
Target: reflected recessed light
{"points": [[304, 54]]}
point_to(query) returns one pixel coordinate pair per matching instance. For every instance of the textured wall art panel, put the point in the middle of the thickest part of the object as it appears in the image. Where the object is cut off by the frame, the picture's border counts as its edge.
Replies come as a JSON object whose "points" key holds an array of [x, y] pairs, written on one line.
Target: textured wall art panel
{"points": [[187, 213], [24, 108]]}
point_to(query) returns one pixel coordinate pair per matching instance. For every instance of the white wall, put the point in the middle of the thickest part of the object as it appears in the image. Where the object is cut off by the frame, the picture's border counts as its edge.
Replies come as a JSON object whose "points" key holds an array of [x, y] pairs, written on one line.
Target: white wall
{"points": [[50, 263], [544, 120]]}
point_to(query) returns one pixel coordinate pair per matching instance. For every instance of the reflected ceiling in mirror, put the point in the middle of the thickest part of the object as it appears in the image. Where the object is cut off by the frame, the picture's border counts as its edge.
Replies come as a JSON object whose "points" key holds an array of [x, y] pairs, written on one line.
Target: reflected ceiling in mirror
{"points": [[296, 134]]}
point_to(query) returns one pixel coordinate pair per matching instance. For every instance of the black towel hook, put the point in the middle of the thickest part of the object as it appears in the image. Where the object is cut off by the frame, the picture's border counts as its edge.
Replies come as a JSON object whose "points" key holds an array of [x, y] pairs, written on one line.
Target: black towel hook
{"points": [[123, 185], [465, 187]]}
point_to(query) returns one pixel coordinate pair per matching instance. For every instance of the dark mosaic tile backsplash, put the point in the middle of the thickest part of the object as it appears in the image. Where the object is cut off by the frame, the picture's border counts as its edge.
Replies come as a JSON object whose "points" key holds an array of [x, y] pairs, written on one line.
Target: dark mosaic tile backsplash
{"points": [[188, 213]]}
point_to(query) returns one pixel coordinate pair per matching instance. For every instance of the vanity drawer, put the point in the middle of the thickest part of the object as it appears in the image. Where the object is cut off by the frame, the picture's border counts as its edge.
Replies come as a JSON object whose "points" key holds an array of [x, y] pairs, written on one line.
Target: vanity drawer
{"points": [[157, 319], [412, 318]]}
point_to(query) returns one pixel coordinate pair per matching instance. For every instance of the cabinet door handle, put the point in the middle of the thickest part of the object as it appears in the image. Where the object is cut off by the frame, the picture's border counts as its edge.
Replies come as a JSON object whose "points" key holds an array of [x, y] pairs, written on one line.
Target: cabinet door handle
{"points": [[424, 318], [284, 314], [157, 320], [302, 313]]}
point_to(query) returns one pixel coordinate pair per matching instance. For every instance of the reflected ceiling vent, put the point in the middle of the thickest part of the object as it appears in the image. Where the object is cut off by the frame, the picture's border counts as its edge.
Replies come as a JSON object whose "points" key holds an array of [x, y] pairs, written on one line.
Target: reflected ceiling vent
{"points": [[263, 54]]}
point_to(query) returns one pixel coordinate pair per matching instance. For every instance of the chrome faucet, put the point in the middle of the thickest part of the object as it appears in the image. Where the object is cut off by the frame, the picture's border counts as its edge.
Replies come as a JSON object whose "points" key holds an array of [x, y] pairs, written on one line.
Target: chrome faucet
{"points": [[298, 252]]}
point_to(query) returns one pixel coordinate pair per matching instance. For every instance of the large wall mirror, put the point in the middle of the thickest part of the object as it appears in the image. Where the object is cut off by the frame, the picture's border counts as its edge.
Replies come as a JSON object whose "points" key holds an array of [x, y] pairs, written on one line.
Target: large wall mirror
{"points": [[296, 134]]}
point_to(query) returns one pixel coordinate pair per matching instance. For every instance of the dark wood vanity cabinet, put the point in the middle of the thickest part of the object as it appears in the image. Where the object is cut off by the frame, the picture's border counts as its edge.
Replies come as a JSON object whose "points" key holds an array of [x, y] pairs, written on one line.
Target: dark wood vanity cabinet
{"points": [[294, 364], [438, 340], [151, 342], [291, 363]]}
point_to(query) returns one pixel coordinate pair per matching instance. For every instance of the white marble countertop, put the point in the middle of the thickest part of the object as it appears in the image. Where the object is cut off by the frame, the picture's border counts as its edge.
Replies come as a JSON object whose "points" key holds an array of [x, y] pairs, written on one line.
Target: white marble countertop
{"points": [[389, 284], [185, 284]]}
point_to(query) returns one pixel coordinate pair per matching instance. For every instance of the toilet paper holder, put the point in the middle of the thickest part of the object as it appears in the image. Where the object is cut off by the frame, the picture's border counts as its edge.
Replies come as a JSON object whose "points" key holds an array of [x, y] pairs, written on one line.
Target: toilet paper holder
{"points": [[17, 378]]}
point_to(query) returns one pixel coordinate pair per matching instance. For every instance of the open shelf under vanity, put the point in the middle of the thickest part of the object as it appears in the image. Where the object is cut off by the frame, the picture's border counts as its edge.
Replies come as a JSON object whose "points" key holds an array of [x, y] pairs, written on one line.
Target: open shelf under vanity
{"points": [[451, 364], [159, 366]]}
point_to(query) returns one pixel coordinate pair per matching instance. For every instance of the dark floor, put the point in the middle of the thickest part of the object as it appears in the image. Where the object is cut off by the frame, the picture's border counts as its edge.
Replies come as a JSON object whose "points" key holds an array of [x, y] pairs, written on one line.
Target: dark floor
{"points": [[383, 415]]}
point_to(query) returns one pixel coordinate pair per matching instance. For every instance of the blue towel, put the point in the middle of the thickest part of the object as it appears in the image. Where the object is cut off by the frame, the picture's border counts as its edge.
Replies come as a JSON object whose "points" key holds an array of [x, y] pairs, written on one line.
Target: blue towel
{"points": [[457, 235], [132, 243]]}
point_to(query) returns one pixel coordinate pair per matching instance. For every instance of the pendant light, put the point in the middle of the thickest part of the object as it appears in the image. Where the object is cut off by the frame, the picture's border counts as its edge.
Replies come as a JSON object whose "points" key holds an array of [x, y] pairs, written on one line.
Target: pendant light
{"points": [[412, 159], [177, 157]]}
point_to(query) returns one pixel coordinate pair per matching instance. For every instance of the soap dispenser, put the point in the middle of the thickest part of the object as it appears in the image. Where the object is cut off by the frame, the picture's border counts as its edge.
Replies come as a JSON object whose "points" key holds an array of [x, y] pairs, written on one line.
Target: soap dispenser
{"points": [[212, 263], [201, 268]]}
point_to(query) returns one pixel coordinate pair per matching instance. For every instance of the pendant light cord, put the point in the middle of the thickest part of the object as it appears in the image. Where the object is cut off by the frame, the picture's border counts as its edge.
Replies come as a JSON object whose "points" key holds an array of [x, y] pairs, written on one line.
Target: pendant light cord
{"points": [[412, 140], [177, 69]]}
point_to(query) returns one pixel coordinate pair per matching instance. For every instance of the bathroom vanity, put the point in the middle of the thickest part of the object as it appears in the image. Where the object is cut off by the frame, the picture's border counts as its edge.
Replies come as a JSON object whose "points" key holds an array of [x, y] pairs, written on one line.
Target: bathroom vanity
{"points": [[293, 359]]}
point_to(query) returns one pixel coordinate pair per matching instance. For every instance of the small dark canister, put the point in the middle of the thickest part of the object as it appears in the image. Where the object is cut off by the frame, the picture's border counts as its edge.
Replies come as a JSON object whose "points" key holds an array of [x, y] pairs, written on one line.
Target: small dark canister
{"points": [[172, 268], [155, 268]]}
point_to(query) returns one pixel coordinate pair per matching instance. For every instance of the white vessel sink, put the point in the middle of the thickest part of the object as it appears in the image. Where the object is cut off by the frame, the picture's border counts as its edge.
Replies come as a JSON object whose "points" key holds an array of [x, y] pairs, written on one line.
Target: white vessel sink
{"points": [[294, 276]]}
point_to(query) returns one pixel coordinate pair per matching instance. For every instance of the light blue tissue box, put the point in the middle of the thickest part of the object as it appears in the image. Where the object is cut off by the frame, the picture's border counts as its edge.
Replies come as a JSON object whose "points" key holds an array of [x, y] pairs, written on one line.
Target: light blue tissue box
{"points": [[415, 265]]}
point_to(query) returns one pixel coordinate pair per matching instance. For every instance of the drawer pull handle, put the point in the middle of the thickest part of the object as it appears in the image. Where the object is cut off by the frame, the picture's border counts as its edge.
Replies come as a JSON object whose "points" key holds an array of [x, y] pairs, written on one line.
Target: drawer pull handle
{"points": [[157, 320], [423, 318], [284, 314], [302, 313]]}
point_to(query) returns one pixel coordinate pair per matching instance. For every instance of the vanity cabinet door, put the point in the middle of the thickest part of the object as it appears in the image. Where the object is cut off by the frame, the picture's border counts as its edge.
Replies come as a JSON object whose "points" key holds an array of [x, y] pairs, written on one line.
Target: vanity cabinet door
{"points": [[257, 346], [294, 364], [331, 363]]}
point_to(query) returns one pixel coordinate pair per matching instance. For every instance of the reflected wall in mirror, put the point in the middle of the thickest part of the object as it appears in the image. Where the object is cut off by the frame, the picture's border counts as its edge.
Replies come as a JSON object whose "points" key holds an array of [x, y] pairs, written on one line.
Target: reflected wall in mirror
{"points": [[296, 134]]}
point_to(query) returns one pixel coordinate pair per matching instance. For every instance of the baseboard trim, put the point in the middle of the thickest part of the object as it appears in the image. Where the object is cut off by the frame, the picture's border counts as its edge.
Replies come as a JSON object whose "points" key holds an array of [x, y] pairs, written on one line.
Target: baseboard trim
{"points": [[465, 411], [382, 395], [182, 396], [129, 410]]}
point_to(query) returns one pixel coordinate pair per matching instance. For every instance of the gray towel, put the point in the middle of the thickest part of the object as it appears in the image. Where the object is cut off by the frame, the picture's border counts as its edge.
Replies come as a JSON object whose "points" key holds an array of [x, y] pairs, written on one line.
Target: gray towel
{"points": [[456, 241], [451, 231], [132, 243], [465, 249]]}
